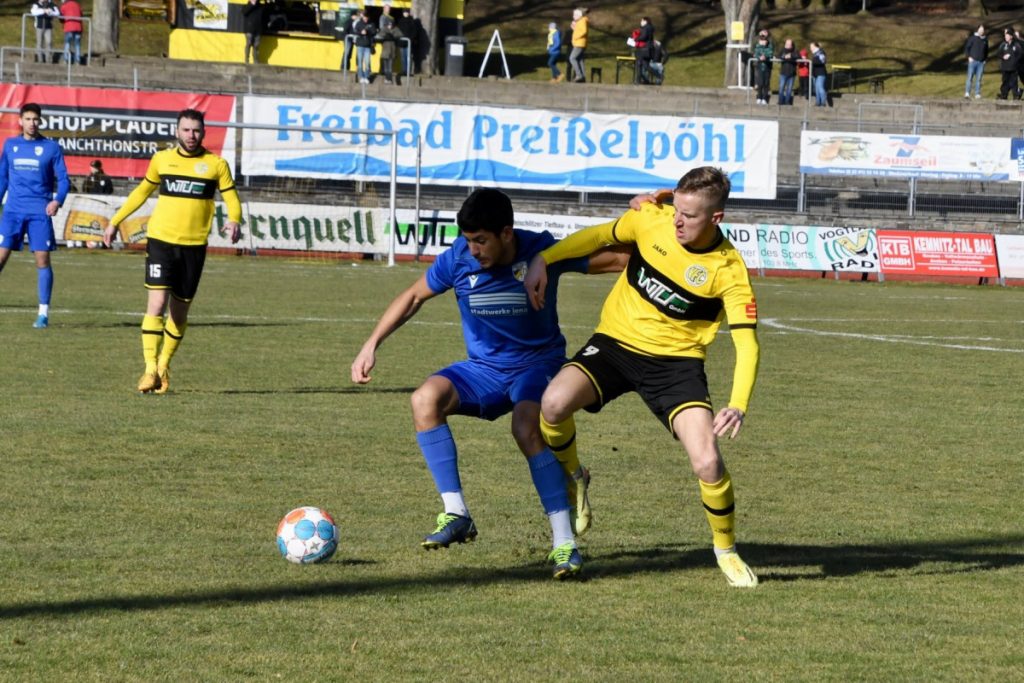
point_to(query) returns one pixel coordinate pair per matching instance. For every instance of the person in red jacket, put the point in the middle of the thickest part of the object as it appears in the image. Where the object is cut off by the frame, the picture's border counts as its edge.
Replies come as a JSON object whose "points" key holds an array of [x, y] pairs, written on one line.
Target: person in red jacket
{"points": [[803, 72], [71, 18]]}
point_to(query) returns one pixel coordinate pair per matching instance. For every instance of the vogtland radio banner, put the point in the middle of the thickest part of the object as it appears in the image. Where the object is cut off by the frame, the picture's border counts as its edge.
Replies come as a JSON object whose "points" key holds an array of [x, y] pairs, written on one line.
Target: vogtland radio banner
{"points": [[805, 247], [939, 157], [504, 147]]}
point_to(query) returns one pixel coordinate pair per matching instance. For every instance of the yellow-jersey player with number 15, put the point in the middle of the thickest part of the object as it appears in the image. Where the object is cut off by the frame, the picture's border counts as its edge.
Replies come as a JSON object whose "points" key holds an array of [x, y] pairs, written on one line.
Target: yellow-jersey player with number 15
{"points": [[188, 176], [683, 279]]}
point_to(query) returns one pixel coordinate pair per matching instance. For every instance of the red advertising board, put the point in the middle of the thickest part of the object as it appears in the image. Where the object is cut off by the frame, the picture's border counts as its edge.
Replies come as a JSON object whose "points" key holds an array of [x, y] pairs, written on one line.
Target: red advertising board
{"points": [[74, 117], [937, 253]]}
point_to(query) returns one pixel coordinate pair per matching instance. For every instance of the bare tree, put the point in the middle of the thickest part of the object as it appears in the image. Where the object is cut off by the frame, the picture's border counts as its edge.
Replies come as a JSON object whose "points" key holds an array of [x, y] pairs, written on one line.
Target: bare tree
{"points": [[105, 27], [426, 12], [976, 8], [749, 12]]}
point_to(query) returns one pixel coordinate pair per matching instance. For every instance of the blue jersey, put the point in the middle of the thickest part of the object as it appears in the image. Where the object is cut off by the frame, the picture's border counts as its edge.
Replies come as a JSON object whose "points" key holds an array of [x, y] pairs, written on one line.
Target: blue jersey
{"points": [[498, 323], [28, 169]]}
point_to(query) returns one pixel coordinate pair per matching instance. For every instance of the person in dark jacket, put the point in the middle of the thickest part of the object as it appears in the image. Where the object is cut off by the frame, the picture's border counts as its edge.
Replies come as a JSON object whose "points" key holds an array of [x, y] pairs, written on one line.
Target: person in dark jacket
{"points": [[1008, 53], [643, 39], [365, 31], [787, 71], [410, 29], [252, 21], [819, 72], [764, 52], [976, 50]]}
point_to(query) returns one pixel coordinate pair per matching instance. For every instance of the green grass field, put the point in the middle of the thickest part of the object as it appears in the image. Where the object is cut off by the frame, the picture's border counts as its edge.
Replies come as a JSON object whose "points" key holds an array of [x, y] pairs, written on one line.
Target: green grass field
{"points": [[878, 488]]}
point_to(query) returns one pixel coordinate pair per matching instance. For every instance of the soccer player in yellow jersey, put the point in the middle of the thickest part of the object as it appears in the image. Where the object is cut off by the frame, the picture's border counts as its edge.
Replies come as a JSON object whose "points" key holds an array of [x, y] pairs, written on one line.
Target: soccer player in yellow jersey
{"points": [[683, 278], [187, 175]]}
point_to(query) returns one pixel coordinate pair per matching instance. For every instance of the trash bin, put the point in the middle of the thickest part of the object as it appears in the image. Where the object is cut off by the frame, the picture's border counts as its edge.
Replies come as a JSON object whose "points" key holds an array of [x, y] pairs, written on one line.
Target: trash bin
{"points": [[454, 55]]}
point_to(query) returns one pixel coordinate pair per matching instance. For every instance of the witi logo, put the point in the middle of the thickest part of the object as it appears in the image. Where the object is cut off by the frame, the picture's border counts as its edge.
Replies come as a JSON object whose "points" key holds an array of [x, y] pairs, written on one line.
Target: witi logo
{"points": [[897, 252]]}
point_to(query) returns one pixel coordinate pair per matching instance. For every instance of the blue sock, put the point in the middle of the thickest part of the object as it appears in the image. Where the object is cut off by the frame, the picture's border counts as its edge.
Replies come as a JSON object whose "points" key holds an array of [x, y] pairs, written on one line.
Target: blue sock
{"points": [[549, 480], [45, 283], [442, 457]]}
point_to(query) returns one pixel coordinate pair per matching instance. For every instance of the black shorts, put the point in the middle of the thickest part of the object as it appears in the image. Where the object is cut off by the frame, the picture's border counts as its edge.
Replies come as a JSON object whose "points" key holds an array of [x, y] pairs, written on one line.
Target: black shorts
{"points": [[175, 267], [666, 385]]}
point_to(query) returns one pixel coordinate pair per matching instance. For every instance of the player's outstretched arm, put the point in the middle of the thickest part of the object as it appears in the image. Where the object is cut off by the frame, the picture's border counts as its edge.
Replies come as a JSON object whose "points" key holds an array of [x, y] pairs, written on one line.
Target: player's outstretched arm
{"points": [[399, 311], [536, 281], [135, 200], [653, 197], [609, 259]]}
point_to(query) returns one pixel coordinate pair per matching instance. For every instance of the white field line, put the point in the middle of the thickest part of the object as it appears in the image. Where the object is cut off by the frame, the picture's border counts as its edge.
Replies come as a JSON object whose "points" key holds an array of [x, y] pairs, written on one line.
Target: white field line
{"points": [[887, 338]]}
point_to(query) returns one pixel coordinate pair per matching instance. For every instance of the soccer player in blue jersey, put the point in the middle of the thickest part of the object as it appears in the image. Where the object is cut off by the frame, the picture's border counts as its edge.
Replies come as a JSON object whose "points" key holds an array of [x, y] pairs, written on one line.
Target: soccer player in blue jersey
{"points": [[513, 352], [29, 166]]}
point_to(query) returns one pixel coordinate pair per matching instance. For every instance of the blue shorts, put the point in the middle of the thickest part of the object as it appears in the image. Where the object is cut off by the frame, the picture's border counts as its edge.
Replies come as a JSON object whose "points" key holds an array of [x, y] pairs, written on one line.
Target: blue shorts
{"points": [[487, 392], [13, 227]]}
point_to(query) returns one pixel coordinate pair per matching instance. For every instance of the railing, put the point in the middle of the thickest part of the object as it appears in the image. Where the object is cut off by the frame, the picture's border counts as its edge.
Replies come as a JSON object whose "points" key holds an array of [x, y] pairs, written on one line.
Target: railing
{"points": [[87, 25]]}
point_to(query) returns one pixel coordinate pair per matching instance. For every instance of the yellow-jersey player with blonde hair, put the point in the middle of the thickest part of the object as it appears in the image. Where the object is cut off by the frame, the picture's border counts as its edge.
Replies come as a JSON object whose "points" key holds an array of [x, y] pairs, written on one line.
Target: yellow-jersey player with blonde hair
{"points": [[684, 277], [188, 177]]}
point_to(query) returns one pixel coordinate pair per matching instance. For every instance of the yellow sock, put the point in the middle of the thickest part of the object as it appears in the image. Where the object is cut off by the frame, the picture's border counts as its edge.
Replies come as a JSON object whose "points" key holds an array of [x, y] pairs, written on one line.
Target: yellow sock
{"points": [[720, 508], [561, 438], [152, 335], [172, 338]]}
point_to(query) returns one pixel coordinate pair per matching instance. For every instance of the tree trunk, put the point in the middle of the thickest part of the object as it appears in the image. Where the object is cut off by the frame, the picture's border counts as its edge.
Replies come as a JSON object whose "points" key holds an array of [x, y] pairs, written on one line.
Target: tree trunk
{"points": [[976, 8], [425, 11], [817, 6], [749, 12], [105, 27]]}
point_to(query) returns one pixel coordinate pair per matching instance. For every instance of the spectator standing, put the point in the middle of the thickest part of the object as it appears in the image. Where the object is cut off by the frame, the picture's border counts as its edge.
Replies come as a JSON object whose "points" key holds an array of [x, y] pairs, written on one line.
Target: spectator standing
{"points": [[252, 19], [803, 73], [364, 30], [407, 25], [30, 165], [643, 40], [71, 19], [657, 66], [579, 44], [554, 52], [44, 13], [787, 71], [976, 50], [819, 71], [348, 33], [764, 53], [1008, 53], [386, 36], [1020, 64], [97, 182]]}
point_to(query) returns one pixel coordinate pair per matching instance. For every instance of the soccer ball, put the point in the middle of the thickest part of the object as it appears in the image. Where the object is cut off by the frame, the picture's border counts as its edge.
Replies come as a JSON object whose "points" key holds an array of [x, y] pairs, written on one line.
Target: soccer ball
{"points": [[306, 535]]}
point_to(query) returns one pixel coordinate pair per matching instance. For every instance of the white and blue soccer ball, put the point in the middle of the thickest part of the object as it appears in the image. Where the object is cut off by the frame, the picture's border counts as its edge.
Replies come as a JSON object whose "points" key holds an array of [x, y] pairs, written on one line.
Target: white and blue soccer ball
{"points": [[307, 535]]}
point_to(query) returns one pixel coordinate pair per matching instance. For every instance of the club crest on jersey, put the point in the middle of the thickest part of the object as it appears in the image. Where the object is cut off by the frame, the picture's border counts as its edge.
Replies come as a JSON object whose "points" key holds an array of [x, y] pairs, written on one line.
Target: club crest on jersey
{"points": [[519, 270], [15, 148], [39, 151], [202, 167], [696, 275], [472, 280]]}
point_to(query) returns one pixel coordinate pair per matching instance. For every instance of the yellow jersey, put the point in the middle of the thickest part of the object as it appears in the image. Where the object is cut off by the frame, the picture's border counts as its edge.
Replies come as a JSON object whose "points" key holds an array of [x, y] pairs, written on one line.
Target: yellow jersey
{"points": [[670, 300], [184, 210]]}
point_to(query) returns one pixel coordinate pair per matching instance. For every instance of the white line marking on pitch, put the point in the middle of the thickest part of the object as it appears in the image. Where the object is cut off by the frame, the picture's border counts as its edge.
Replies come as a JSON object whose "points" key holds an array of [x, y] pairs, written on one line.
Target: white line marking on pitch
{"points": [[892, 339]]}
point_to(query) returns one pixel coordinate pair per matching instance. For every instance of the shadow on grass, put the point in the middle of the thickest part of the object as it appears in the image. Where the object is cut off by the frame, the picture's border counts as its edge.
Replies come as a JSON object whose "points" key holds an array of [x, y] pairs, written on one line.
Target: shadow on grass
{"points": [[772, 561], [311, 390]]}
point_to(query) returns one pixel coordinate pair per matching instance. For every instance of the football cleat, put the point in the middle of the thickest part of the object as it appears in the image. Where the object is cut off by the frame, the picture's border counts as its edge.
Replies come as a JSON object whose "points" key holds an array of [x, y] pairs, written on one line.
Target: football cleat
{"points": [[580, 512], [165, 381], [41, 323], [148, 382], [736, 571], [451, 528], [567, 559]]}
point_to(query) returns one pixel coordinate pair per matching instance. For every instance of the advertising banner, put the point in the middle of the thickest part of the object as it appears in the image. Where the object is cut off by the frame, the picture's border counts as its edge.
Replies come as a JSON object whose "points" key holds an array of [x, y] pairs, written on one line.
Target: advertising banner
{"points": [[937, 253], [940, 157], [1010, 252], [490, 146], [74, 117], [798, 247]]}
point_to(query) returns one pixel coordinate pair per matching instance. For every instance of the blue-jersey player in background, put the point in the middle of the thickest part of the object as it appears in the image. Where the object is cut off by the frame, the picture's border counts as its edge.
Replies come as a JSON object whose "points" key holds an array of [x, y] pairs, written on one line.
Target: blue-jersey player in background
{"points": [[513, 352], [29, 166]]}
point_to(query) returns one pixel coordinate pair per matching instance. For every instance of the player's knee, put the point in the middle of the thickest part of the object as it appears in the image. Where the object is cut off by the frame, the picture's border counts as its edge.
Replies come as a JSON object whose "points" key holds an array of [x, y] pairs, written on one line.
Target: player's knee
{"points": [[556, 405]]}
